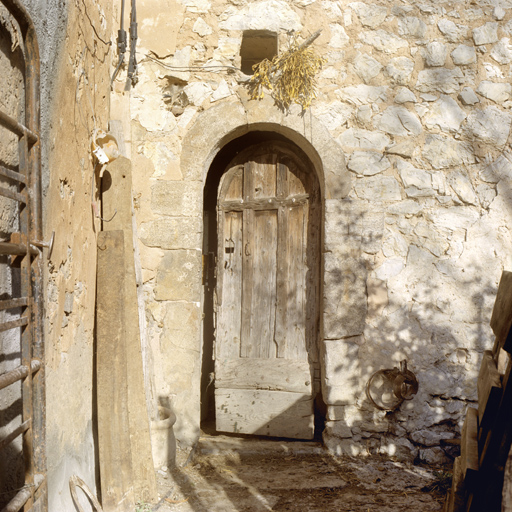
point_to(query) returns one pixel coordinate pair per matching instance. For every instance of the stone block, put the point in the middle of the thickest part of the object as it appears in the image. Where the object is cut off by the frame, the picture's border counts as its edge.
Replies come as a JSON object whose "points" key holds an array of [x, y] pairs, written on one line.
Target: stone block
{"points": [[453, 32], [378, 188], [177, 198], [444, 152], [435, 54], [172, 233], [368, 163], [502, 52], [486, 34], [442, 80], [370, 15], [444, 114], [181, 327], [497, 92], [400, 70], [366, 67], [342, 372], [383, 41], [490, 125], [364, 139], [464, 55], [179, 276], [398, 120], [345, 303]]}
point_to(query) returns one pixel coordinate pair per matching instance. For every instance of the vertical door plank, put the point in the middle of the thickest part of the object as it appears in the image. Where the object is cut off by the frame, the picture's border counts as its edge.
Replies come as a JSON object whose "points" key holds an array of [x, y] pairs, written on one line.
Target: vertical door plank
{"points": [[296, 276], [230, 260], [264, 177], [282, 283]]}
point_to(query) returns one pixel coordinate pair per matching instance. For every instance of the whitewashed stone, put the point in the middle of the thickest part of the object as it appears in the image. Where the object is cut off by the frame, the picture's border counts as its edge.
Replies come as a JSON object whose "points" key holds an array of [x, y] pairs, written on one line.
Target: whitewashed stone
{"points": [[368, 163], [486, 194], [489, 125], [202, 28], [498, 170], [435, 54], [389, 269], [394, 244], [378, 188], [366, 67], [405, 95], [497, 92], [468, 96], [453, 218], [444, 152], [340, 360], [411, 26], [415, 178], [332, 115], [383, 41], [400, 69], [502, 51], [498, 13], [398, 121], [221, 92], [445, 114], [440, 80], [345, 304], [363, 94], [339, 37], [197, 92], [364, 139], [453, 33], [464, 55], [274, 15], [407, 207], [364, 114], [227, 47], [180, 60], [486, 34], [405, 148], [462, 187], [439, 182], [370, 15], [434, 455]]}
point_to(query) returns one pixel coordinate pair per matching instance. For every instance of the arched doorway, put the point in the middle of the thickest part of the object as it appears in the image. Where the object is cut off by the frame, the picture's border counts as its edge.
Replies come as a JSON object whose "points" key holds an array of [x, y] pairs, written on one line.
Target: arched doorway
{"points": [[264, 289]]}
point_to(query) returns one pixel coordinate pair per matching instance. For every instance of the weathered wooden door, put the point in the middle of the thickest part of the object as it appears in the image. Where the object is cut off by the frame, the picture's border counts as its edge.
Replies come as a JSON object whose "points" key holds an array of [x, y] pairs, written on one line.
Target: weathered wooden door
{"points": [[267, 290]]}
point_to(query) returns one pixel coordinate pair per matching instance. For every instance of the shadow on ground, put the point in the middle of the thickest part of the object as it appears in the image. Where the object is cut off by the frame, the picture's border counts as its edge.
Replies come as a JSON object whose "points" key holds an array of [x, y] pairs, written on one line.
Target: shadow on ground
{"points": [[242, 475]]}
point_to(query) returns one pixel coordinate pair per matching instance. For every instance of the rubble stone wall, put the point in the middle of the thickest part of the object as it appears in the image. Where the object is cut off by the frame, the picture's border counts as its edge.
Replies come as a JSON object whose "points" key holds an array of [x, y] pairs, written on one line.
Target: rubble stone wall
{"points": [[416, 97]]}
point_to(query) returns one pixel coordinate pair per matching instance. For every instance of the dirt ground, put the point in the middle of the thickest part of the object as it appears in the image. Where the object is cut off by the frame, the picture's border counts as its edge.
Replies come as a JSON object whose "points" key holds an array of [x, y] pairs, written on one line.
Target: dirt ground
{"points": [[241, 475]]}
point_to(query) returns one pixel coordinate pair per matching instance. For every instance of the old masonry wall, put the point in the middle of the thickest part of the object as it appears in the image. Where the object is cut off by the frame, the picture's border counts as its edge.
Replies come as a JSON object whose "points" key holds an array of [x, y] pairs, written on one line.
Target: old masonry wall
{"points": [[417, 98]]}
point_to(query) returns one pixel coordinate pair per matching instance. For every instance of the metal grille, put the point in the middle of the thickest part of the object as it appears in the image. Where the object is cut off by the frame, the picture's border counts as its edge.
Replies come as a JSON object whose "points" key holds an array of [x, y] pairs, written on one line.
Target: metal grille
{"points": [[20, 253]]}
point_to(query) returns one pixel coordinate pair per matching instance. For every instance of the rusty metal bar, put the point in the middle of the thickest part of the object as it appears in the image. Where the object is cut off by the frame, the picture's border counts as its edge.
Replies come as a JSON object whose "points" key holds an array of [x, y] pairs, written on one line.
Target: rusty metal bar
{"points": [[34, 439], [13, 303], [5, 192], [20, 322], [10, 248], [24, 495], [13, 175], [18, 373], [17, 128], [20, 429]]}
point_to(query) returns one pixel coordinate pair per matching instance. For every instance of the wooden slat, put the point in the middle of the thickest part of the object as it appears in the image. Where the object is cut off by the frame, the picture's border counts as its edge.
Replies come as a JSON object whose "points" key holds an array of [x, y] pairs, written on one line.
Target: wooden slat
{"points": [[15, 249], [266, 413], [13, 303], [269, 374], [469, 446], [501, 319], [489, 393], [264, 203], [20, 322], [229, 287], [455, 498]]}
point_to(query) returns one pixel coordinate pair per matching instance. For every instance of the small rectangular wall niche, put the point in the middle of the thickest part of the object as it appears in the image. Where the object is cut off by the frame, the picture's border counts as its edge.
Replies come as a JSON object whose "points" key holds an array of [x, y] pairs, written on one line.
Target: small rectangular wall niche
{"points": [[256, 46]]}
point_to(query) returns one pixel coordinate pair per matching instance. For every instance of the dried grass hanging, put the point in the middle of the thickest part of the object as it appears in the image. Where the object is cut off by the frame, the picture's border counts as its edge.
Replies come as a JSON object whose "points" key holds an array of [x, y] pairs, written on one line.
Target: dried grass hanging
{"points": [[290, 77]]}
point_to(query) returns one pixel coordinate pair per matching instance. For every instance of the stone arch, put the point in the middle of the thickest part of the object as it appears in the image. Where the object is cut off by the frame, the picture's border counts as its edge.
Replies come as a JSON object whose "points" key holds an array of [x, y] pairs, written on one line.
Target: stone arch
{"points": [[219, 125]]}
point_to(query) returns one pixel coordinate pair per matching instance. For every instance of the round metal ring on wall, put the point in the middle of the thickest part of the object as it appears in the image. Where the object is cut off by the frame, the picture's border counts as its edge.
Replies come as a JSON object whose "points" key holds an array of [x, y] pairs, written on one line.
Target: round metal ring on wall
{"points": [[380, 390], [75, 482]]}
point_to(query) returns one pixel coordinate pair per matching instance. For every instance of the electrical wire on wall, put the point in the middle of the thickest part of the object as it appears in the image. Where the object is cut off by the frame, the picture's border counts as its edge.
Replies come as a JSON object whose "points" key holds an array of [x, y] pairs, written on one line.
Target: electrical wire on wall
{"points": [[122, 43]]}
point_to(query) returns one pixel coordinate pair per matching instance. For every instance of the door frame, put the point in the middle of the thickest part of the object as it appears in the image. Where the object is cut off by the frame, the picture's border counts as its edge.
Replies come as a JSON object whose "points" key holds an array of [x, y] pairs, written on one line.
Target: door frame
{"points": [[210, 245]]}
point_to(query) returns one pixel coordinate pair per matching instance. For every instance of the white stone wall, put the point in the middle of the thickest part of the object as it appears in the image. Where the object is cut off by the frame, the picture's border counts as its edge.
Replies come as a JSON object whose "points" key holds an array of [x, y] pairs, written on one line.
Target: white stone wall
{"points": [[417, 96]]}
